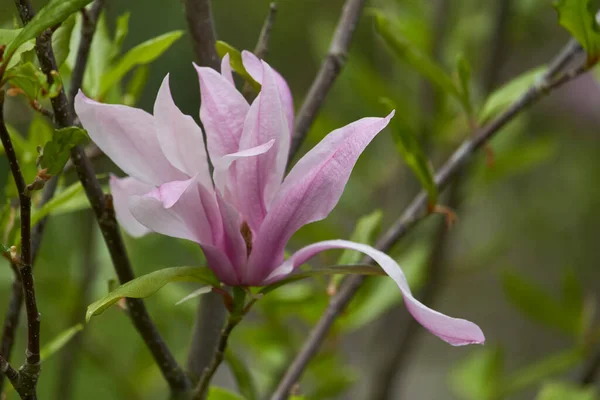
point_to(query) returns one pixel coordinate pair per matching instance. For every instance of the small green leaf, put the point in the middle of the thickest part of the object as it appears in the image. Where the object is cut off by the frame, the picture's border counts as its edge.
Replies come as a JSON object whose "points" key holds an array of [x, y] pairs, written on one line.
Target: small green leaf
{"points": [[61, 40], [149, 284], [538, 305], [194, 294], [410, 149], [503, 97], [121, 31], [566, 391], [479, 376], [413, 56], [217, 393], [143, 53], [7, 36], [579, 18], [28, 78], [235, 59], [55, 12], [243, 376], [59, 341], [136, 85], [57, 202], [57, 151]]}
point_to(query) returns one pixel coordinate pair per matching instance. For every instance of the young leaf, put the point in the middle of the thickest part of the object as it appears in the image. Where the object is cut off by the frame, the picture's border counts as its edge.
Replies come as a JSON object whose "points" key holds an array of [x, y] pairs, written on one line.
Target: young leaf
{"points": [[566, 391], [121, 31], [479, 376], [242, 374], [147, 285], [217, 393], [57, 151], [194, 294], [503, 97], [235, 59], [410, 149], [364, 232], [7, 36], [58, 201], [55, 12], [579, 18], [135, 86], [61, 40], [59, 341], [28, 78], [141, 54]]}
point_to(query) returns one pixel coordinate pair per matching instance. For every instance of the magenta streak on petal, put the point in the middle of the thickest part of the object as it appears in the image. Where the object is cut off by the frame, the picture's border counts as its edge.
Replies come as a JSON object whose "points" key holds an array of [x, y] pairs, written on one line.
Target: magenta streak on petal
{"points": [[455, 331], [226, 69]]}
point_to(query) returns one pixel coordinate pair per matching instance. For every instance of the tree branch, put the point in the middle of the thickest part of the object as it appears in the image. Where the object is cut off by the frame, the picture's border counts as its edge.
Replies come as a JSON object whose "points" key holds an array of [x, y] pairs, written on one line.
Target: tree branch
{"points": [[11, 322], [262, 45], [198, 14], [329, 71], [417, 210], [104, 212]]}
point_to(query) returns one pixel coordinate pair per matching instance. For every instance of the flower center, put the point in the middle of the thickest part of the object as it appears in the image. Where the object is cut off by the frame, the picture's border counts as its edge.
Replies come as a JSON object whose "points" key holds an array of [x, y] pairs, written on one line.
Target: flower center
{"points": [[247, 235]]}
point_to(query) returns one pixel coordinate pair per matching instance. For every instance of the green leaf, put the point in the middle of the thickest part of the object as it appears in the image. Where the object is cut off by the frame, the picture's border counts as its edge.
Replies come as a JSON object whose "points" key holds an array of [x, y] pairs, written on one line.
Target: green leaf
{"points": [[141, 54], [566, 391], [479, 376], [59, 341], [136, 85], [55, 12], [149, 284], [503, 97], [413, 56], [29, 78], [410, 149], [7, 36], [358, 269], [61, 40], [57, 202], [579, 18], [194, 294], [538, 305], [121, 31], [235, 59], [217, 393], [464, 74], [57, 151], [243, 376]]}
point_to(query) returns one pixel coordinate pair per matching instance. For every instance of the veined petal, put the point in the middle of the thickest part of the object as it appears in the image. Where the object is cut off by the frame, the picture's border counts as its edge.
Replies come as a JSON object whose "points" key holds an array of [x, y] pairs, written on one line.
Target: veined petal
{"points": [[313, 188], [127, 136], [457, 332], [254, 68], [226, 69], [179, 136], [222, 111], [121, 189], [259, 178], [233, 244]]}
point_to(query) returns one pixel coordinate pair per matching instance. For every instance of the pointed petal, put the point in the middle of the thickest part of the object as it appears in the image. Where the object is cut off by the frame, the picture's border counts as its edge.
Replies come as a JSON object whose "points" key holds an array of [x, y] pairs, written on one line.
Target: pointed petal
{"points": [[254, 68], [313, 187], [127, 136], [457, 332], [222, 111], [259, 178], [226, 69], [121, 189], [179, 137], [233, 245]]}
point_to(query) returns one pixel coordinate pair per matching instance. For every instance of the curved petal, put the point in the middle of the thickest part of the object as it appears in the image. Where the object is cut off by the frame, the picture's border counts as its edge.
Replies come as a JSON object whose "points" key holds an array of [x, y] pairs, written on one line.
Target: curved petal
{"points": [[179, 137], [121, 189], [312, 189], [222, 111], [254, 68], [226, 69], [457, 332], [233, 245], [127, 136], [259, 178]]}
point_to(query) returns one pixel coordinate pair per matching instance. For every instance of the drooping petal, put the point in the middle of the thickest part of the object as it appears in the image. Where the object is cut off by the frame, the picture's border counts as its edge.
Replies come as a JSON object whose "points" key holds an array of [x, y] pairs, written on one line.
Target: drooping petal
{"points": [[259, 178], [312, 189], [222, 111], [127, 136], [226, 69], [457, 332], [179, 136], [254, 68], [121, 189]]}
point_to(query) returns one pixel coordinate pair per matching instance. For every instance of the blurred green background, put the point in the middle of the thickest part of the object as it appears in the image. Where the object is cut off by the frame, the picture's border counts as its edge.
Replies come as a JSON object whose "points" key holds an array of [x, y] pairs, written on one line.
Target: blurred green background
{"points": [[533, 216]]}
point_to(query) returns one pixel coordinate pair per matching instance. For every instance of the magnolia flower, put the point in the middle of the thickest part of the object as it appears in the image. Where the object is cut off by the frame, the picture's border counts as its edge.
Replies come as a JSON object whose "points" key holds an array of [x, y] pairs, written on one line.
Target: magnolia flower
{"points": [[244, 216]]}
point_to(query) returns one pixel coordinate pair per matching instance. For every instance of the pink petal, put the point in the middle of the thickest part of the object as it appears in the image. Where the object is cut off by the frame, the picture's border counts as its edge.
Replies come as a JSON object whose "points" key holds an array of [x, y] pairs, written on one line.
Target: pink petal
{"points": [[180, 138], [254, 68], [312, 188], [222, 111], [259, 178], [121, 189], [127, 136], [226, 69], [457, 332], [233, 244]]}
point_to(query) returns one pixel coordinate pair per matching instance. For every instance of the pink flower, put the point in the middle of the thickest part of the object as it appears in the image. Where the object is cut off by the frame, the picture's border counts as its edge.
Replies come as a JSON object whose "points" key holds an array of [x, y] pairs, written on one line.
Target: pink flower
{"points": [[244, 220]]}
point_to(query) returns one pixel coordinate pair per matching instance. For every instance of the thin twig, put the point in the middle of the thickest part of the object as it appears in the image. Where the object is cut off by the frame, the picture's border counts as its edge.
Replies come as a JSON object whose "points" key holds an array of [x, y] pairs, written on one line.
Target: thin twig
{"points": [[201, 25], [11, 322], [417, 210], [11, 373], [329, 71], [104, 212], [262, 45], [88, 28]]}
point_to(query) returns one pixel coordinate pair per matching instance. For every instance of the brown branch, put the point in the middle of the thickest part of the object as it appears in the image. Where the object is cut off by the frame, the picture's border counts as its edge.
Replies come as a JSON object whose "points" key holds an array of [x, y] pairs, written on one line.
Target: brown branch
{"points": [[418, 210], [329, 71], [104, 213], [11, 322], [262, 45], [198, 14]]}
